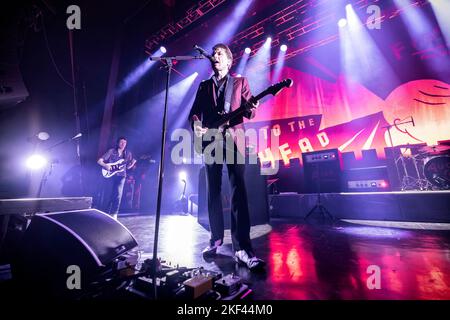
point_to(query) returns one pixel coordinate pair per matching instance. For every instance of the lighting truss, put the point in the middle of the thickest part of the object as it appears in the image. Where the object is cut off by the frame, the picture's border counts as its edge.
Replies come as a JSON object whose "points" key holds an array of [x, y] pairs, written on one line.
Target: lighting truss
{"points": [[290, 22], [192, 15]]}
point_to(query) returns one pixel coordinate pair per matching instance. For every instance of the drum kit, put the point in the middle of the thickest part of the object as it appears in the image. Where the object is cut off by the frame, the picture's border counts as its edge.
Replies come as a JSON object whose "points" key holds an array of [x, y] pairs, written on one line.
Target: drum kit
{"points": [[423, 167]]}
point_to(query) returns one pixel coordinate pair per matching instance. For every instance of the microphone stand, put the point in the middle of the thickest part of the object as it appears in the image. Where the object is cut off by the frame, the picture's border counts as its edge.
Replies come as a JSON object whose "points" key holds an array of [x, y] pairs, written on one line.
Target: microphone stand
{"points": [[49, 171], [168, 65], [400, 158], [61, 142]]}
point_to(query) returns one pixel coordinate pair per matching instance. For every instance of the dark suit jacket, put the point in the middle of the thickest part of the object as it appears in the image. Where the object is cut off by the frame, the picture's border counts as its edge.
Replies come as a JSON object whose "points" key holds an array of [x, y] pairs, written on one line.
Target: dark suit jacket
{"points": [[205, 104]]}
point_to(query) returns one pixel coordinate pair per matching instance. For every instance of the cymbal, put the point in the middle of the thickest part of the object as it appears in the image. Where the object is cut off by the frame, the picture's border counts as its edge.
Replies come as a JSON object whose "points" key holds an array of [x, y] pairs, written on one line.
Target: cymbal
{"points": [[434, 149]]}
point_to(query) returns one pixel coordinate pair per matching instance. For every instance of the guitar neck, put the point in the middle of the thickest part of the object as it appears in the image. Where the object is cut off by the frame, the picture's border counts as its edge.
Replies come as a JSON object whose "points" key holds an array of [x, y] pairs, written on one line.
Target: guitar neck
{"points": [[273, 90], [240, 111], [259, 96]]}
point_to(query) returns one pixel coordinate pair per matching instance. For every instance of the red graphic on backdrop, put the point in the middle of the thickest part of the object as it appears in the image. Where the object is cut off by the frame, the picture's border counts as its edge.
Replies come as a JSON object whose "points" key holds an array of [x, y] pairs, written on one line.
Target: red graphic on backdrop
{"points": [[348, 116]]}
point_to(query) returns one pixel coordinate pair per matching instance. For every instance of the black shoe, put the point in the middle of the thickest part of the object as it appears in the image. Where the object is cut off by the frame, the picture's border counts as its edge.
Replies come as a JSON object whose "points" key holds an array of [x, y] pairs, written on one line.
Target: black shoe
{"points": [[211, 250], [252, 262]]}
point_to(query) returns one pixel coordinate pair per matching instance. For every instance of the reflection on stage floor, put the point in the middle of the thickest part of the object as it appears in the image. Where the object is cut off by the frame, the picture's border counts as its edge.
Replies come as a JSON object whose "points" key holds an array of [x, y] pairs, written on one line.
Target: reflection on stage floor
{"points": [[317, 260]]}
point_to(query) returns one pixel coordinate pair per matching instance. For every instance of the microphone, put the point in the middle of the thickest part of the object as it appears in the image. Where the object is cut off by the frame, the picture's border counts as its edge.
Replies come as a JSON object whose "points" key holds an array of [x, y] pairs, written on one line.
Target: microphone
{"points": [[77, 136], [205, 54]]}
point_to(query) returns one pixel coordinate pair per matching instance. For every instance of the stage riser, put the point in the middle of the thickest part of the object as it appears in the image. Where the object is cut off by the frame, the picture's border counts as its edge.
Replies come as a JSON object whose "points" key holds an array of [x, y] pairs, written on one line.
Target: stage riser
{"points": [[418, 206], [42, 205]]}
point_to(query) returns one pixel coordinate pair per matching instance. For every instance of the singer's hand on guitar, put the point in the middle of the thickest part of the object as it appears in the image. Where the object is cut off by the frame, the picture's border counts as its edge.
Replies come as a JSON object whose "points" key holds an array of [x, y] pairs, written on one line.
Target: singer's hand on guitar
{"points": [[107, 167], [198, 129], [250, 105]]}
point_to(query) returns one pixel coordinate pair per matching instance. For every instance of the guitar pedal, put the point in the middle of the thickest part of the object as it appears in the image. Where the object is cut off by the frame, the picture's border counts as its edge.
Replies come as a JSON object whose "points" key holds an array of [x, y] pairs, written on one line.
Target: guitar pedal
{"points": [[228, 285]]}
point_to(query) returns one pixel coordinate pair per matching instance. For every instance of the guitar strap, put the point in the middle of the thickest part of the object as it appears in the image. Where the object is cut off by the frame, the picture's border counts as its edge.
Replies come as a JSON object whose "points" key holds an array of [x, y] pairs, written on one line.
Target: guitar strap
{"points": [[228, 93]]}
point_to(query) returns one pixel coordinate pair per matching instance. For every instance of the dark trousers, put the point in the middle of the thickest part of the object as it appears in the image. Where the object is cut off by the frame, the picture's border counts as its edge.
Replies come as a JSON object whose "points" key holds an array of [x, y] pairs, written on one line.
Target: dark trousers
{"points": [[118, 183], [240, 217]]}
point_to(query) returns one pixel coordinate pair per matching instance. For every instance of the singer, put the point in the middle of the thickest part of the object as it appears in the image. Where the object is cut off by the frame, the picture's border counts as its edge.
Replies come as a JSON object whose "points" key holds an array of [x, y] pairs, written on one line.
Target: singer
{"points": [[220, 94]]}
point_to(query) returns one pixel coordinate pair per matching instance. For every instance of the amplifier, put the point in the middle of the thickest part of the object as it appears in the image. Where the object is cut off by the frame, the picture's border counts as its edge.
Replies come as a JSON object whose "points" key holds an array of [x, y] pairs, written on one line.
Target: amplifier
{"points": [[322, 171], [366, 179], [366, 184], [321, 156]]}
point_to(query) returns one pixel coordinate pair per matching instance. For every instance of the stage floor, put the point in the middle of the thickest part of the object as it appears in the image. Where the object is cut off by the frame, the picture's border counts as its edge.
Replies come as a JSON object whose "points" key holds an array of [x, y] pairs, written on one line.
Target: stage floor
{"points": [[317, 260]]}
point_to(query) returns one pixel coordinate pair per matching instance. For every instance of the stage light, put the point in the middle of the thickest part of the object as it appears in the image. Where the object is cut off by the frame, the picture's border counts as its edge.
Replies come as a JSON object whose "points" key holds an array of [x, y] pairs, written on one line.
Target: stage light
{"points": [[342, 23], [134, 76], [348, 7], [258, 68], [359, 53], [43, 136], [248, 50], [440, 7], [421, 27], [182, 176], [163, 49], [279, 64], [283, 48], [383, 184], [179, 92], [36, 162], [239, 75]]}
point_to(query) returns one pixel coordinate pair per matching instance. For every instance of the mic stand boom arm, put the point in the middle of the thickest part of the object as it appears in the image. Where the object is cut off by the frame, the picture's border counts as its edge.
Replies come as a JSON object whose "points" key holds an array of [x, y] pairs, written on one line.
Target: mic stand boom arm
{"points": [[178, 58]]}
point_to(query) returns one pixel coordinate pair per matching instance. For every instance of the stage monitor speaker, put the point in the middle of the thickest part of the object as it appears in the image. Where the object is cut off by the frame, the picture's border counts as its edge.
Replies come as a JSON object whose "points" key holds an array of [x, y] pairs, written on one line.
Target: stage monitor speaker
{"points": [[88, 239], [322, 171]]}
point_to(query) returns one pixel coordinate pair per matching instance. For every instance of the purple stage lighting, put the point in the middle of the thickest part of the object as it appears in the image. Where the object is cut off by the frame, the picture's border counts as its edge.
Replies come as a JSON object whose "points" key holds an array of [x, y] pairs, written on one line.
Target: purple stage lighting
{"points": [[136, 75], [36, 162], [342, 23], [283, 48], [441, 9], [163, 49], [421, 30], [230, 25], [248, 50], [182, 175], [279, 64], [258, 69], [43, 136], [359, 53]]}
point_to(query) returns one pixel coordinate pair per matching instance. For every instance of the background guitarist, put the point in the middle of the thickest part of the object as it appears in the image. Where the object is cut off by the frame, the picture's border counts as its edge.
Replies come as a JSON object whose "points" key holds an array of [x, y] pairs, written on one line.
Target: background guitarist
{"points": [[117, 181], [223, 93]]}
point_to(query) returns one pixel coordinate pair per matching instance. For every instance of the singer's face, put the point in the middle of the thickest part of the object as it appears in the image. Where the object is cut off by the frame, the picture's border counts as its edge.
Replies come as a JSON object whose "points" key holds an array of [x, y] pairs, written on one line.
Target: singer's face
{"points": [[222, 61]]}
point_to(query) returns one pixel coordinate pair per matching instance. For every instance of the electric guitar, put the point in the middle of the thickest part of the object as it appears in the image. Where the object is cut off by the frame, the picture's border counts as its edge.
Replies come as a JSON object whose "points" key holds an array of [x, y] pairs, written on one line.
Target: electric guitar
{"points": [[116, 167], [222, 120]]}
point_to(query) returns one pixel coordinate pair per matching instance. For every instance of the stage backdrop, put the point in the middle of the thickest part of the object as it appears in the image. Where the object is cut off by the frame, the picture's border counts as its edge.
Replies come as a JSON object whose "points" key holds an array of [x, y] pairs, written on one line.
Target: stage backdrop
{"points": [[328, 108], [316, 114]]}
